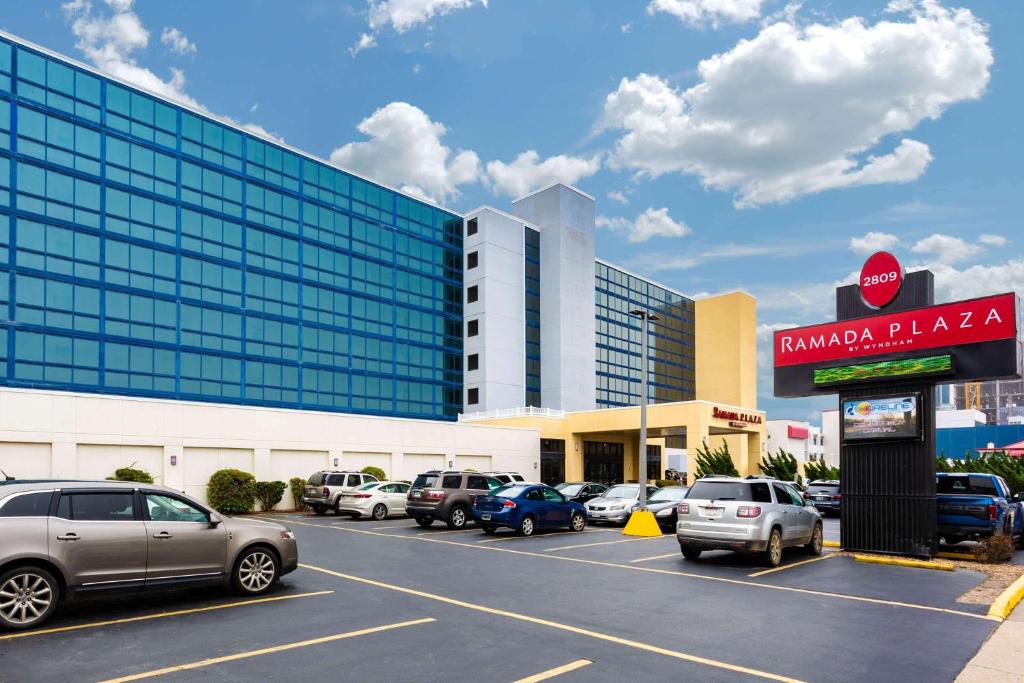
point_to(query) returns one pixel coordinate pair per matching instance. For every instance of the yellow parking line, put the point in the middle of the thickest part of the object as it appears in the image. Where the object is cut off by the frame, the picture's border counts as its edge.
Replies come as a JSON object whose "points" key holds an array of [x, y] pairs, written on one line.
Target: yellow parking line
{"points": [[160, 615], [443, 532], [656, 557], [514, 537], [557, 671], [589, 545], [555, 625], [672, 572], [795, 564], [265, 651]]}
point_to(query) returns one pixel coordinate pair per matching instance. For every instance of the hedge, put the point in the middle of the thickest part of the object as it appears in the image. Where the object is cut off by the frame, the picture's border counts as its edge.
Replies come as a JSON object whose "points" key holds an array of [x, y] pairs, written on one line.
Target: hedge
{"points": [[375, 472], [298, 487], [269, 493], [130, 473], [231, 492]]}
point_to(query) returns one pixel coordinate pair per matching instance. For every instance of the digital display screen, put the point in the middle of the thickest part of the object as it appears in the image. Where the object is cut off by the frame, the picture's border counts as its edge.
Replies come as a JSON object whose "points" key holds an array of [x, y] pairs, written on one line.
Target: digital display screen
{"points": [[909, 367], [882, 419]]}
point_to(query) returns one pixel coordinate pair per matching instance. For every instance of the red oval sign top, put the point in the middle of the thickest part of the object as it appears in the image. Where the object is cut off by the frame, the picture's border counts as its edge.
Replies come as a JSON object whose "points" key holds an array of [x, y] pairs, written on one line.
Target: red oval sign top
{"points": [[880, 279]]}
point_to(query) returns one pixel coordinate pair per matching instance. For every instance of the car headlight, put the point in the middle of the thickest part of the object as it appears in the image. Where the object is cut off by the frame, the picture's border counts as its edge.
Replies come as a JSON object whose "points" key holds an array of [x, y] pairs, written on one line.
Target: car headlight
{"points": [[620, 506], [287, 535], [667, 512]]}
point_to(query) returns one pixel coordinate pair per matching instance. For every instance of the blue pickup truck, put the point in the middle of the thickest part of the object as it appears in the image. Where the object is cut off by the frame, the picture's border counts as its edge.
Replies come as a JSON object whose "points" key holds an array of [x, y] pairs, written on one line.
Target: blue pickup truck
{"points": [[976, 506]]}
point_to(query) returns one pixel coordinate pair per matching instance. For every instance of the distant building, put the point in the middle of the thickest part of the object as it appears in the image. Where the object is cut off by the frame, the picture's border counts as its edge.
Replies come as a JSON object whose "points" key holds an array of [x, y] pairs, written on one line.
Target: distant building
{"points": [[801, 438], [1002, 401], [830, 435]]}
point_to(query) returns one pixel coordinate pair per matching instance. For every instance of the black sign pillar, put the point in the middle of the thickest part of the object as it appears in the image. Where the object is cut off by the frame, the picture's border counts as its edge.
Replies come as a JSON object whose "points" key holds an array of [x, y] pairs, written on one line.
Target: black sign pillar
{"points": [[889, 488]]}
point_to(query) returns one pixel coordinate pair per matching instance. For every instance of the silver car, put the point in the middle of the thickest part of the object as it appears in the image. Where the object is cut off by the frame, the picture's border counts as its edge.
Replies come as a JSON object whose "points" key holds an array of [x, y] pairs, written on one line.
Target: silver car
{"points": [[63, 539], [616, 503], [753, 515], [324, 489]]}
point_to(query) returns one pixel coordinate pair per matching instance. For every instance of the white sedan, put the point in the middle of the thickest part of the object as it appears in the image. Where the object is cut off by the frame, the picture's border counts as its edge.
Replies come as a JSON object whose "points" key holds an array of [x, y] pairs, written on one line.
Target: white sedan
{"points": [[377, 499]]}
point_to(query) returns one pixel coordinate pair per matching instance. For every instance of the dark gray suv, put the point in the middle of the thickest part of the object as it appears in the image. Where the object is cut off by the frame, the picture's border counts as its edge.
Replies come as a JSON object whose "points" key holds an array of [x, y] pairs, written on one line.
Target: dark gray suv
{"points": [[447, 496]]}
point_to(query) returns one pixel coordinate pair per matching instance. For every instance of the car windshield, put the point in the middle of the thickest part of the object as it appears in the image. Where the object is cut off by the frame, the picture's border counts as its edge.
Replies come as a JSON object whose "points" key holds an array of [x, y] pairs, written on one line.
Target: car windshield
{"points": [[669, 494], [569, 490], [709, 489], [367, 487], [317, 479], [622, 491], [508, 491], [425, 480]]}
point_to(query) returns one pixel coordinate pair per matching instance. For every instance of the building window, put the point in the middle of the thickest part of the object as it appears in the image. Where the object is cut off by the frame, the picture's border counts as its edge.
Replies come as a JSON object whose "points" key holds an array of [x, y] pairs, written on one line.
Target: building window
{"points": [[473, 396], [474, 361], [472, 328], [471, 227], [473, 294], [472, 259]]}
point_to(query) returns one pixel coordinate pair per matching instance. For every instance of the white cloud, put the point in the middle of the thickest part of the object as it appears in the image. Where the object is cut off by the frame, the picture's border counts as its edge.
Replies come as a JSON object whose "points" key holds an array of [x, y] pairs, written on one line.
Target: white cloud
{"points": [[794, 110], [528, 172], [945, 248], [254, 107], [365, 42], [872, 242], [704, 12], [662, 262], [618, 196], [403, 15], [405, 150], [952, 284], [627, 27], [992, 240], [651, 223], [177, 41], [417, 68]]}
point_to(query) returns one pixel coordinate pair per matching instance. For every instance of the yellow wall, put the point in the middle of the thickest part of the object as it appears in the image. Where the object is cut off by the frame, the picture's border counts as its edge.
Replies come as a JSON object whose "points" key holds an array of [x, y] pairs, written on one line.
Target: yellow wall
{"points": [[726, 349]]}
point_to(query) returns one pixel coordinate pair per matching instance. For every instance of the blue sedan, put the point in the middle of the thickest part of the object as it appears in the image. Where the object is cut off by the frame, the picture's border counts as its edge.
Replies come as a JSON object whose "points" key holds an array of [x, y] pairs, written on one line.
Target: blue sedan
{"points": [[526, 508]]}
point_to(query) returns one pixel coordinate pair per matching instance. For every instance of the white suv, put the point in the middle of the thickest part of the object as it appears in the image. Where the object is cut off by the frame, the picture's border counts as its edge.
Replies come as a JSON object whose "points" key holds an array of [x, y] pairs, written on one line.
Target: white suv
{"points": [[753, 515]]}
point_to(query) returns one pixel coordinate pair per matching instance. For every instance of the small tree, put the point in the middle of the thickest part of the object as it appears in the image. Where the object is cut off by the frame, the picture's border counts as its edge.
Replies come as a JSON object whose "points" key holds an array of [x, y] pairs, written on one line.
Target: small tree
{"points": [[782, 465], [131, 473], [269, 493], [820, 470], [231, 492], [718, 461], [375, 472], [298, 488]]}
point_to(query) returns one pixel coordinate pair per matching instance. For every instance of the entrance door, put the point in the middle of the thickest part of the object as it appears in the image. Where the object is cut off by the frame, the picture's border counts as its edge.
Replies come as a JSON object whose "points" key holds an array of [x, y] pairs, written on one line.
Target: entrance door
{"points": [[552, 461], [603, 462]]}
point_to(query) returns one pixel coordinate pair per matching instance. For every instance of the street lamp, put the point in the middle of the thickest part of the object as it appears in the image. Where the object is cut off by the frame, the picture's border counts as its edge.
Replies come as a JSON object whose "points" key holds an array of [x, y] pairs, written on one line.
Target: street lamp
{"points": [[645, 318]]}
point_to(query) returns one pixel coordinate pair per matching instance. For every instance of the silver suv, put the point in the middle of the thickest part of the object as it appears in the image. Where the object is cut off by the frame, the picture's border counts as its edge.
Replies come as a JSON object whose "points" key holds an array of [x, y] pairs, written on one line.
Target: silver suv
{"points": [[752, 515], [62, 539], [324, 489]]}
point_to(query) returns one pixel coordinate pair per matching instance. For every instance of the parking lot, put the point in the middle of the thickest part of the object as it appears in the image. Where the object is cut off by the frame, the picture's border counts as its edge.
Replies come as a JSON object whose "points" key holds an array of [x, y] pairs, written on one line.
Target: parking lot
{"points": [[389, 601]]}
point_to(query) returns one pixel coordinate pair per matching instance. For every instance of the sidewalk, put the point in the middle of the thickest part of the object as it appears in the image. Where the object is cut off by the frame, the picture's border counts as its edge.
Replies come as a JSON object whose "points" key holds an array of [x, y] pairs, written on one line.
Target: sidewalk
{"points": [[1001, 658]]}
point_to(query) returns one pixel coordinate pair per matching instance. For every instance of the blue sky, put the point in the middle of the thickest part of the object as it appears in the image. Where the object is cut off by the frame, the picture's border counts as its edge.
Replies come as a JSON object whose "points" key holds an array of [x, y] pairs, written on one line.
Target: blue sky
{"points": [[730, 144]]}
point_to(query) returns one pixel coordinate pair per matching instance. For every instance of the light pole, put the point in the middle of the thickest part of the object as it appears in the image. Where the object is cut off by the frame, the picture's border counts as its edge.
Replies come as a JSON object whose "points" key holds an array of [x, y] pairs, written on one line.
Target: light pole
{"points": [[645, 317]]}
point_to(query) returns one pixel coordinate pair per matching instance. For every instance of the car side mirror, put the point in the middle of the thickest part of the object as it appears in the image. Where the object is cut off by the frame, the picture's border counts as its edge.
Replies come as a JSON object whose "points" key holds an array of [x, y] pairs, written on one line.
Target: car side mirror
{"points": [[1019, 497], [215, 520]]}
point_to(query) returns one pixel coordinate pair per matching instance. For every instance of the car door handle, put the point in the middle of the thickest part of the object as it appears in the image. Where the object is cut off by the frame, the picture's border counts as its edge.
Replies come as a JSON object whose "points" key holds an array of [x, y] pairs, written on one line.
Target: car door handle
{"points": [[162, 534], [70, 536]]}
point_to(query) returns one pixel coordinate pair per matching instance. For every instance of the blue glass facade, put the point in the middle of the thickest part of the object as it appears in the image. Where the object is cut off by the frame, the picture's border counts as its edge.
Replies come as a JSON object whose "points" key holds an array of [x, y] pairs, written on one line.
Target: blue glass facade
{"points": [[531, 275], [670, 343], [149, 250]]}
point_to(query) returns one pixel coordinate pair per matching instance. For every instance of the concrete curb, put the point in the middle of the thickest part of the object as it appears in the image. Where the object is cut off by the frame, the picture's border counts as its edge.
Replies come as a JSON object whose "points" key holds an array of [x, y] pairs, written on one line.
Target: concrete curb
{"points": [[1009, 598], [830, 544], [904, 562], [957, 556]]}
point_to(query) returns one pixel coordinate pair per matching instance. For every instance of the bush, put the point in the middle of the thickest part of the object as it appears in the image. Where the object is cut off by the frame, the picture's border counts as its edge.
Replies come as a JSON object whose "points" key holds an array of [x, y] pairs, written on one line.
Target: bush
{"points": [[782, 465], [718, 461], [269, 493], [375, 472], [994, 549], [666, 482], [231, 492], [818, 469], [298, 487], [130, 473], [1010, 468]]}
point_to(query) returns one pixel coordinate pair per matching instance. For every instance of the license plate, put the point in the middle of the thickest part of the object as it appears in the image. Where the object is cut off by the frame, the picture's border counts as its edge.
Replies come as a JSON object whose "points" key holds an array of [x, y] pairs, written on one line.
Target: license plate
{"points": [[713, 513], [821, 498], [415, 494], [485, 516]]}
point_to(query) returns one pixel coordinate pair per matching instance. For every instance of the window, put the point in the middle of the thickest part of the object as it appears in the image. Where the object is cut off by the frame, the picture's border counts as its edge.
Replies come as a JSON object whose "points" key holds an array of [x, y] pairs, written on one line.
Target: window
{"points": [[336, 480], [36, 504], [142, 368], [478, 483], [354, 480], [783, 496], [472, 328], [709, 489], [473, 396], [473, 259], [452, 481], [473, 361], [401, 488], [471, 227], [97, 507], [553, 496], [167, 509], [534, 494], [370, 479], [141, 116], [473, 294]]}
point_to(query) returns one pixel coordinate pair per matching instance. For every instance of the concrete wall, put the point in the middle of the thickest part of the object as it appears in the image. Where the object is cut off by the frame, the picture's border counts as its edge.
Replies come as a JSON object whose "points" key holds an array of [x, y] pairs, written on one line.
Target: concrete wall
{"points": [[63, 435], [777, 436], [726, 353], [830, 432]]}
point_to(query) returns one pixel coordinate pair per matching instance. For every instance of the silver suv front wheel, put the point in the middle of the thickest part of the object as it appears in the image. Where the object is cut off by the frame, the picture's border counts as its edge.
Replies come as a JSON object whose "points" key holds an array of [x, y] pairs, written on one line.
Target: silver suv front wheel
{"points": [[28, 596], [255, 571]]}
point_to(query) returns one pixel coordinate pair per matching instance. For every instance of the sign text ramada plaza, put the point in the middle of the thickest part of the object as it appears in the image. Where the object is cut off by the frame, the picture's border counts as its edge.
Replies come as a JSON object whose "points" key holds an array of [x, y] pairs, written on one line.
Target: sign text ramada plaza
{"points": [[735, 416]]}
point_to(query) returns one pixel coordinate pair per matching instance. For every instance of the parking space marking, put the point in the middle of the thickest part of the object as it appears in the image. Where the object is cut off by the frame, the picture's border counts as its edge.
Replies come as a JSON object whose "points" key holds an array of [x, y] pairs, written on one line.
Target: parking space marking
{"points": [[557, 671], [515, 537], [159, 615], [703, 577], [825, 556], [555, 625], [265, 651], [590, 545], [656, 557]]}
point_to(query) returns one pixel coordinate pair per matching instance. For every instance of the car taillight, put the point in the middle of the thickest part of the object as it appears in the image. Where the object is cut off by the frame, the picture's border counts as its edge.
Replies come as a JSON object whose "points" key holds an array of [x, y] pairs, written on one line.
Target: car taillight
{"points": [[327, 492], [683, 509], [508, 504], [362, 495], [472, 501], [838, 496], [748, 511], [435, 495], [991, 511]]}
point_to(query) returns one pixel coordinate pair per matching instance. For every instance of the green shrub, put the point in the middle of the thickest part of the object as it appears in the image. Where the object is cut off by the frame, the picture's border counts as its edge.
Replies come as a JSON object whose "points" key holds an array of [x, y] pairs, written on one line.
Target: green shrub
{"points": [[269, 493], [130, 473], [994, 549], [375, 472], [298, 487], [1010, 468], [231, 492], [782, 465], [818, 469], [718, 461]]}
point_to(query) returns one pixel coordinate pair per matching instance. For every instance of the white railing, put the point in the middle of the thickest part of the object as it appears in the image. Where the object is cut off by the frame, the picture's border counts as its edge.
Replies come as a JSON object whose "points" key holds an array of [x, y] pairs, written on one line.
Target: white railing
{"points": [[528, 411]]}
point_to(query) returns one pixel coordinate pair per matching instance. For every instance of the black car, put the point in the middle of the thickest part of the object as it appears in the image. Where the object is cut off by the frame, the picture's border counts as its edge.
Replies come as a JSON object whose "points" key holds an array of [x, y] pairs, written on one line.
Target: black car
{"points": [[663, 504], [580, 491], [826, 496]]}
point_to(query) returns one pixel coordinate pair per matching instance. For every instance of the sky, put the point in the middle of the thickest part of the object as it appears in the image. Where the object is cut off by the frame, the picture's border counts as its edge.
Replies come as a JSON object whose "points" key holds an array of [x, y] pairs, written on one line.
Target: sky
{"points": [[762, 145]]}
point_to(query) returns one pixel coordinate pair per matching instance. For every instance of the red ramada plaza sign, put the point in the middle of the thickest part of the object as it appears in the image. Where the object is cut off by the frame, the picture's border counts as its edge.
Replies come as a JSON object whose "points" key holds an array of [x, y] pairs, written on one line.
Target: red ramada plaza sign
{"points": [[963, 322], [748, 418]]}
